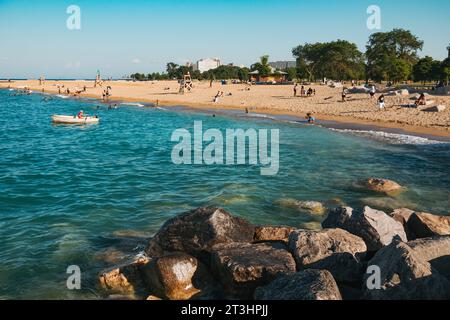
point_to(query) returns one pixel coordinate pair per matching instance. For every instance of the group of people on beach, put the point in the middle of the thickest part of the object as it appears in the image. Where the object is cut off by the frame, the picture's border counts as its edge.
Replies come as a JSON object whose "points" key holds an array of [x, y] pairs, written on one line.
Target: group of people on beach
{"points": [[308, 93]]}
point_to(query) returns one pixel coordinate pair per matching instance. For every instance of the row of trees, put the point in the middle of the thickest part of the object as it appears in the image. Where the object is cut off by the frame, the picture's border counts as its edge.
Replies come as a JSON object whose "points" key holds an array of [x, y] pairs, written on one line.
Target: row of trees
{"points": [[175, 71], [390, 56]]}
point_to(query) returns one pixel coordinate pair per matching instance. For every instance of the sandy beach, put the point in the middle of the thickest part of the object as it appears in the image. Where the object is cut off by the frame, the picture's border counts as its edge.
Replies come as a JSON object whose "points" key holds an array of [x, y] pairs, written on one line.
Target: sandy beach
{"points": [[276, 99]]}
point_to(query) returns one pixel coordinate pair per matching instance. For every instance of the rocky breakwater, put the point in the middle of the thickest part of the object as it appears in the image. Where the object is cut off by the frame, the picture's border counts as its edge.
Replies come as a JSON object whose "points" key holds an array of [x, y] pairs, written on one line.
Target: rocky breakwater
{"points": [[208, 253]]}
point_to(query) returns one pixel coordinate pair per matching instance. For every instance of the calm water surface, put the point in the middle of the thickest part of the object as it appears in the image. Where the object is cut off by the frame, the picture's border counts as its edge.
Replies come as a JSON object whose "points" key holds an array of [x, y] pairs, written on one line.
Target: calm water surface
{"points": [[88, 196]]}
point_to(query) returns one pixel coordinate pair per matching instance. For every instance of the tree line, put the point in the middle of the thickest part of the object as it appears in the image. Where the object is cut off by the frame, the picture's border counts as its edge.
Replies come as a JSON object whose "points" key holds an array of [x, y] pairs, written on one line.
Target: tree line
{"points": [[390, 56]]}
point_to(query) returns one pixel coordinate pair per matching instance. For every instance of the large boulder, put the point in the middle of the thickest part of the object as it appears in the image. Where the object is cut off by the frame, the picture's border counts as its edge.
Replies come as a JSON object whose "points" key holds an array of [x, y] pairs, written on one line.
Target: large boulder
{"points": [[335, 250], [424, 225], [242, 268], [272, 234], [375, 227], [197, 231], [124, 280], [435, 251], [438, 108], [386, 186], [403, 215], [405, 276], [303, 285], [176, 276]]}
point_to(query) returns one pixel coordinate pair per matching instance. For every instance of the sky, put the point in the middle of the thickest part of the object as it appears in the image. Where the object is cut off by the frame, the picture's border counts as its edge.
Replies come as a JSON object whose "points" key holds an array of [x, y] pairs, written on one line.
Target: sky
{"points": [[123, 37]]}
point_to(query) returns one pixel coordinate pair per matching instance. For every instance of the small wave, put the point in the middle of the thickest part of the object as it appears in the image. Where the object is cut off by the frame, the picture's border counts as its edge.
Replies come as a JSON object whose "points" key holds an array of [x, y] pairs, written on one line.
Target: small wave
{"points": [[62, 97], [132, 104], [260, 115], [10, 89], [393, 138], [161, 108]]}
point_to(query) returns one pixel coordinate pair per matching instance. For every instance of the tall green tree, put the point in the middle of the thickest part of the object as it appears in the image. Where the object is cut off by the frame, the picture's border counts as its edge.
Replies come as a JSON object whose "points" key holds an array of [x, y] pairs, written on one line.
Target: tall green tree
{"points": [[339, 60], [172, 70], [389, 52], [262, 66]]}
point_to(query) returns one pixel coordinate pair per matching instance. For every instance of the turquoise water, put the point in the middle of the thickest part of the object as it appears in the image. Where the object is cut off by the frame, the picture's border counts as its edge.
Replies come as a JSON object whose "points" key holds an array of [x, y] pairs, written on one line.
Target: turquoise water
{"points": [[88, 196]]}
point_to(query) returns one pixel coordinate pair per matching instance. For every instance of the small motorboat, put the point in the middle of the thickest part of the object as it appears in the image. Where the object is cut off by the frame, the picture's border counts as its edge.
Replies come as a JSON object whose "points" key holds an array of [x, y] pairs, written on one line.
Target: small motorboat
{"points": [[75, 120]]}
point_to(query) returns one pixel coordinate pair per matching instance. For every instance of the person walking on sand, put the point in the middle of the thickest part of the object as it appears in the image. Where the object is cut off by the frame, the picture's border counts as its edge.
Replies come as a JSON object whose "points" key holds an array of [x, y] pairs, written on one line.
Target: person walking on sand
{"points": [[295, 90], [381, 102], [372, 92], [344, 95]]}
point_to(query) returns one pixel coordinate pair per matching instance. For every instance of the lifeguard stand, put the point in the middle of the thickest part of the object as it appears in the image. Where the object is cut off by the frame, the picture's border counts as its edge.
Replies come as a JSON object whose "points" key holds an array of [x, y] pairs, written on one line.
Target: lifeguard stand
{"points": [[98, 80], [186, 84]]}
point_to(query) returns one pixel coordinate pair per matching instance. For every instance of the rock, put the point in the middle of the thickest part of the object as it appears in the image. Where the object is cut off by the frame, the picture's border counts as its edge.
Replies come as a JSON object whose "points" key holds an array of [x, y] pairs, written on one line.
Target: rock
{"points": [[153, 298], [124, 280], [338, 218], [438, 108], [335, 250], [376, 228], [387, 203], [311, 225], [435, 251], [176, 276], [196, 231], [272, 234], [405, 276], [242, 268], [402, 215], [424, 225], [303, 285], [310, 207], [383, 186], [358, 90]]}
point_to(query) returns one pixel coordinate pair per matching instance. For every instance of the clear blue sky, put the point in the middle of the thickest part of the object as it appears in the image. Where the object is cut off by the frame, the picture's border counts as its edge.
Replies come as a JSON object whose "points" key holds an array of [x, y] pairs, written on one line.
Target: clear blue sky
{"points": [[122, 37]]}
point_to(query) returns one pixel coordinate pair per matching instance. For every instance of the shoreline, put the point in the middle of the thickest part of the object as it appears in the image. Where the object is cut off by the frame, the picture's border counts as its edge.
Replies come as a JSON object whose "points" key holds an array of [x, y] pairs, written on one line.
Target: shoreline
{"points": [[329, 121]]}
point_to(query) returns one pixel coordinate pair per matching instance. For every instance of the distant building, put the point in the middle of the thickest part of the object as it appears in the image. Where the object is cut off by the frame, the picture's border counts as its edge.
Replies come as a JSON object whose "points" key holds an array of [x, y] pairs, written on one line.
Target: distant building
{"points": [[283, 64], [207, 64], [275, 76]]}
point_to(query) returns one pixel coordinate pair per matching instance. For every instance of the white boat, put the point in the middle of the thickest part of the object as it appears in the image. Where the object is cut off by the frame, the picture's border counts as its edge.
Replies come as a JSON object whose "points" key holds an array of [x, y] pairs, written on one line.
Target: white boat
{"points": [[74, 120]]}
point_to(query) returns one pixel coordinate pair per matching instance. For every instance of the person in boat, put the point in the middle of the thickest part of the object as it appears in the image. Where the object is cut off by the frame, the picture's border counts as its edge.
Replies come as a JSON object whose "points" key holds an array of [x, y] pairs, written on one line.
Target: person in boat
{"points": [[310, 118], [422, 101], [80, 114]]}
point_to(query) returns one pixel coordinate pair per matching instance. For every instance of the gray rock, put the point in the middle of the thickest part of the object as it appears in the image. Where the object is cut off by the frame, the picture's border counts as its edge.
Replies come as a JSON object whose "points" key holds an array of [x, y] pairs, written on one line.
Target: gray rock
{"points": [[303, 285], [196, 231], [435, 251], [375, 227], [406, 276], [241, 268], [335, 250]]}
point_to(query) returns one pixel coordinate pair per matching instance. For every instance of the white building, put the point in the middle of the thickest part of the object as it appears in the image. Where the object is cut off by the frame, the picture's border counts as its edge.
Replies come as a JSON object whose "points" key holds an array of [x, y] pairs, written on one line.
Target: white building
{"points": [[207, 64]]}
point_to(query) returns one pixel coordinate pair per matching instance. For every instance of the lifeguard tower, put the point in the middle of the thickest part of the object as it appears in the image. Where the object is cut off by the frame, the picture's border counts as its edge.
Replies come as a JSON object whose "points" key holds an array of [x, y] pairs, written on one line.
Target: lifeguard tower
{"points": [[186, 84], [98, 80]]}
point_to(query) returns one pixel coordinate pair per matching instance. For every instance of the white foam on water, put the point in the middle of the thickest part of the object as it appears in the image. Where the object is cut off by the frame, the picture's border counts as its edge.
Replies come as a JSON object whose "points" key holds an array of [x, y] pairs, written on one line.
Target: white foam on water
{"points": [[393, 138], [132, 104], [61, 96], [161, 108]]}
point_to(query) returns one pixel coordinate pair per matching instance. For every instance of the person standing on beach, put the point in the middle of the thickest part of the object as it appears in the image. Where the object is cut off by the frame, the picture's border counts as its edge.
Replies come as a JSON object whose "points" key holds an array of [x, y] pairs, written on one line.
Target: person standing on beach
{"points": [[381, 102], [372, 92], [344, 95], [295, 90]]}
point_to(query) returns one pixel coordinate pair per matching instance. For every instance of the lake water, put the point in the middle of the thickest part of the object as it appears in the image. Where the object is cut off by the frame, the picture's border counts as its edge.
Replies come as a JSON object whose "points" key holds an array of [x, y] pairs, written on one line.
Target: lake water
{"points": [[88, 196]]}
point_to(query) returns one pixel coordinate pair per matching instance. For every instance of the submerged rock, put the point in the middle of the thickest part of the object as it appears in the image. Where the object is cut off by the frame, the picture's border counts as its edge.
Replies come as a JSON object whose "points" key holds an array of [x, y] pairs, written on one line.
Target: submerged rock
{"points": [[387, 203], [375, 227], [384, 186], [272, 233], [310, 207], [335, 250], [173, 276], [242, 268], [196, 231], [406, 275], [303, 285]]}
